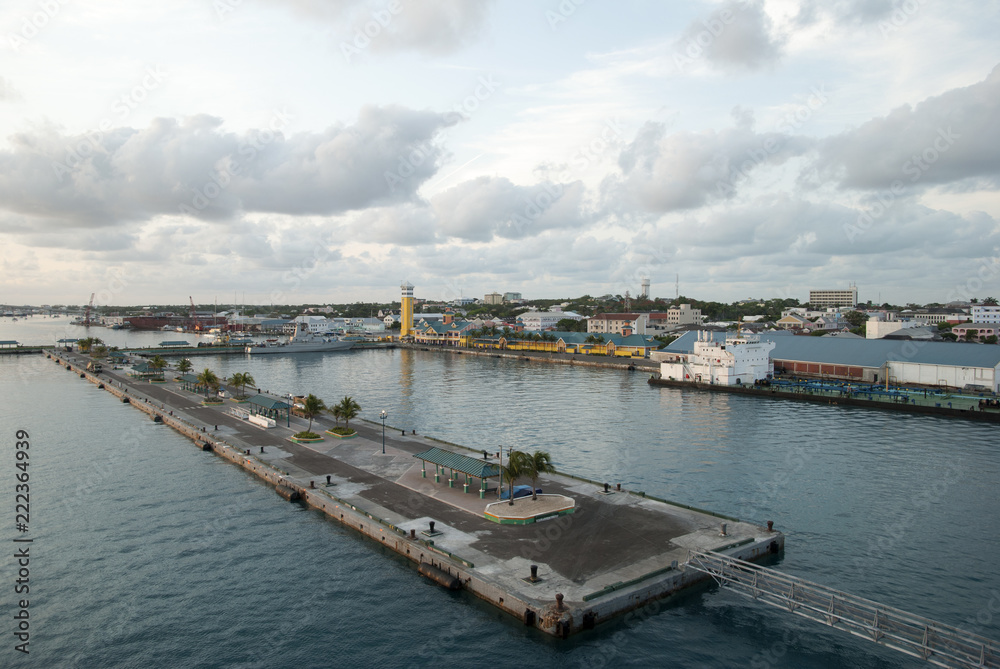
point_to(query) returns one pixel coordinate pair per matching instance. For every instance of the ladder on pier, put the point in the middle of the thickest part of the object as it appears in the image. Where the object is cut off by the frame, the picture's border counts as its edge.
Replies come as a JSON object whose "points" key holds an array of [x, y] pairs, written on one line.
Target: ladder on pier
{"points": [[934, 642]]}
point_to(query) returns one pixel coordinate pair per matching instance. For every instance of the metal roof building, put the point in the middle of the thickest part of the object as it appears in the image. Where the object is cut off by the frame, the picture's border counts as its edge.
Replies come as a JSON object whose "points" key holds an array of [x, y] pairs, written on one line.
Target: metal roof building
{"points": [[953, 364]]}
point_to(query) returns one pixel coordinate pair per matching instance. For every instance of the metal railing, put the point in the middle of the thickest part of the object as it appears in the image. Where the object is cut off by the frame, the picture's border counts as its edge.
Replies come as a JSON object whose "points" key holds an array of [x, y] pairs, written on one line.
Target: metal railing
{"points": [[914, 635]]}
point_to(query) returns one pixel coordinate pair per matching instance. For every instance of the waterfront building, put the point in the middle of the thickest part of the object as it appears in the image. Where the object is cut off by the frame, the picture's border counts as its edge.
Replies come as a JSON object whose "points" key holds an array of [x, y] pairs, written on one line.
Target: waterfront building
{"points": [[615, 323], [926, 363], [979, 331], [544, 320], [738, 359], [985, 313], [834, 298], [876, 328], [406, 310], [446, 332]]}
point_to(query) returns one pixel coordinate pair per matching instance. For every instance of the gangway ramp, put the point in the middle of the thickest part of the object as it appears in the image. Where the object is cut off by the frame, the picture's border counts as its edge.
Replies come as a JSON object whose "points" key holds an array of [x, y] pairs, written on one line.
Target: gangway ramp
{"points": [[914, 635]]}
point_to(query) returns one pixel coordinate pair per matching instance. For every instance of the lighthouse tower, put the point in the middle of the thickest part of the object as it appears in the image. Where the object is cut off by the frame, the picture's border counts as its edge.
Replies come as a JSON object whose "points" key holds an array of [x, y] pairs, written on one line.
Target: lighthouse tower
{"points": [[406, 311]]}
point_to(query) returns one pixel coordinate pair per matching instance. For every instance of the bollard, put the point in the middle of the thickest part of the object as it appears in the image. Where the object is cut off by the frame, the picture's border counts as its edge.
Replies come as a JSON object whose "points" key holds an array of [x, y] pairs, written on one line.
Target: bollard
{"points": [[618, 487], [328, 479], [312, 484], [673, 564], [722, 530], [534, 573], [770, 526], [559, 601], [413, 534], [261, 449], [607, 488], [432, 527]]}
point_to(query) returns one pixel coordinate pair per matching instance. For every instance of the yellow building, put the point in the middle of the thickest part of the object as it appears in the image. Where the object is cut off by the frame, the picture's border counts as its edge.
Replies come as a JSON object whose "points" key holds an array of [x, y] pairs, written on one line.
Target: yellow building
{"points": [[406, 310]]}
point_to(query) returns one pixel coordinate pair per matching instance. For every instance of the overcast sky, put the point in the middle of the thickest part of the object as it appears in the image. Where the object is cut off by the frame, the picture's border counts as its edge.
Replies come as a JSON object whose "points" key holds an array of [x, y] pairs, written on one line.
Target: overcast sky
{"points": [[294, 151]]}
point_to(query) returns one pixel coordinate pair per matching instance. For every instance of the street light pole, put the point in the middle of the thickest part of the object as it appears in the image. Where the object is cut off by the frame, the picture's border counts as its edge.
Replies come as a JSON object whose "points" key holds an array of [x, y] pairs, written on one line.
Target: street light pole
{"points": [[383, 416]]}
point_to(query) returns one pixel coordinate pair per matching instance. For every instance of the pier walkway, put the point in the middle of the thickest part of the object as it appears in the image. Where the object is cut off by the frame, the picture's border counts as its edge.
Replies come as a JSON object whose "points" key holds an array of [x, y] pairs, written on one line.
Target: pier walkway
{"points": [[615, 552], [914, 635]]}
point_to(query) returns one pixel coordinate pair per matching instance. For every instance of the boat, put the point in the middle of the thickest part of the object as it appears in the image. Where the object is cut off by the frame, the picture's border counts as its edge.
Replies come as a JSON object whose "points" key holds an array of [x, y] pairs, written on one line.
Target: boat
{"points": [[302, 342]]}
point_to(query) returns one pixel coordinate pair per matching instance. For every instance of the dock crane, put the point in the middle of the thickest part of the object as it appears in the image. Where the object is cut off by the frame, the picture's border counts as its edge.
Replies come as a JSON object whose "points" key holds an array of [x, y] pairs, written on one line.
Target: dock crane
{"points": [[194, 318]]}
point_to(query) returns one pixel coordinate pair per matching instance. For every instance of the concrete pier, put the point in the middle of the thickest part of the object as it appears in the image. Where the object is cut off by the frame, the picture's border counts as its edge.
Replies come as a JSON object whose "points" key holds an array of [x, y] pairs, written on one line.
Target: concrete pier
{"points": [[577, 565]]}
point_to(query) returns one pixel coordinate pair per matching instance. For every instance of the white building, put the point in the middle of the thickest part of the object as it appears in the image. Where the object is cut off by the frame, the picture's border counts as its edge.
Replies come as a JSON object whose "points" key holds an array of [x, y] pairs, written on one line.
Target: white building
{"points": [[742, 359], [876, 328], [313, 324], [834, 298], [543, 320], [615, 323], [985, 314]]}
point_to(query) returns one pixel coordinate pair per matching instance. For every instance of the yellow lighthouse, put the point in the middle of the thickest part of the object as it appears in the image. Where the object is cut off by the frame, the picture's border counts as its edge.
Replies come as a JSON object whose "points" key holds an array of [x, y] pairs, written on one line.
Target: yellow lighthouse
{"points": [[406, 311]]}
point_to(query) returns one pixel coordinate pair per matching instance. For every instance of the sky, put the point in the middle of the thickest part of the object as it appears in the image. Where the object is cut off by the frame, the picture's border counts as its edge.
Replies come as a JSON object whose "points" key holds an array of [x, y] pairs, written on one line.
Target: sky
{"points": [[307, 151]]}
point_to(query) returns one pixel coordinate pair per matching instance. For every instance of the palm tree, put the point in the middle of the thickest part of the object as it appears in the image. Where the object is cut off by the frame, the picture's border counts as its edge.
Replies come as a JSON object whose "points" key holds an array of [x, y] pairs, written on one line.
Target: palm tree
{"points": [[513, 470], [312, 406], [242, 379], [100, 351], [337, 413], [535, 464], [348, 409], [208, 379], [184, 366], [158, 363]]}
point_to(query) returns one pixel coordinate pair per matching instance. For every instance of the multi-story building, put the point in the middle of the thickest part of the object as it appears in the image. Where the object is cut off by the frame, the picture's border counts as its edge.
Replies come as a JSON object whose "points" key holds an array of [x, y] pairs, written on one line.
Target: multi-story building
{"points": [[675, 317], [985, 313], [834, 298], [493, 298], [618, 324], [406, 310], [512, 297]]}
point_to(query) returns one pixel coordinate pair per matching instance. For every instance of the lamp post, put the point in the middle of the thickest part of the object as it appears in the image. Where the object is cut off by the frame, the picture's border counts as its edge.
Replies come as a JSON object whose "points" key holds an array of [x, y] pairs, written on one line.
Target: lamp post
{"points": [[383, 416]]}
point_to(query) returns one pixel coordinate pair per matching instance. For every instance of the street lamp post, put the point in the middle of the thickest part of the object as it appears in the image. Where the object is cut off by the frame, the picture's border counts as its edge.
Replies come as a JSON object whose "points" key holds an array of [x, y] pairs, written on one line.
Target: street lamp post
{"points": [[383, 416]]}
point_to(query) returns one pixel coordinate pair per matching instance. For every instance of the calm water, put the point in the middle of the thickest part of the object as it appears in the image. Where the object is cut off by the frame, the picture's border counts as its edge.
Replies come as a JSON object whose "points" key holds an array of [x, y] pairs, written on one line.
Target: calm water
{"points": [[149, 552]]}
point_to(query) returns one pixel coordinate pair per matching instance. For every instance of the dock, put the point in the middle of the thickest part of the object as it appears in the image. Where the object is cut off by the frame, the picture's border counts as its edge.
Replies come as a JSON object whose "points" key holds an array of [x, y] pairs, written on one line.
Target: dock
{"points": [[933, 404], [582, 554]]}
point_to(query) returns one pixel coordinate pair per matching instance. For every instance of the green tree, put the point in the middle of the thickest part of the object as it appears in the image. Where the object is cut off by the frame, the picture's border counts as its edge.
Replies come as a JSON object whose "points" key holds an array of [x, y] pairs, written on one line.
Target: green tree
{"points": [[348, 409], [534, 465], [571, 325], [209, 379], [992, 339], [990, 301], [242, 380], [971, 334], [100, 351], [337, 413], [312, 406], [513, 470], [158, 363], [184, 366]]}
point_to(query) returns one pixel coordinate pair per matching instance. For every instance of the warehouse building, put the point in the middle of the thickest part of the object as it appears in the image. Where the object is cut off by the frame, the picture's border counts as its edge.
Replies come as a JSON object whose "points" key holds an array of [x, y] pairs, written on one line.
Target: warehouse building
{"points": [[948, 364]]}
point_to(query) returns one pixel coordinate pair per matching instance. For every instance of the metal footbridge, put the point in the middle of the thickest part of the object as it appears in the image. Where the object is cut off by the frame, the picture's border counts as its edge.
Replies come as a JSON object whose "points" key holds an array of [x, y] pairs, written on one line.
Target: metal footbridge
{"points": [[934, 642]]}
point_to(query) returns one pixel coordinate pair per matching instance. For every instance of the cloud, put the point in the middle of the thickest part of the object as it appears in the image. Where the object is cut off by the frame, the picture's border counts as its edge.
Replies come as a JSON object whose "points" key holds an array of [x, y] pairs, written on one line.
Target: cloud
{"points": [[685, 170], [436, 28], [943, 140], [194, 167], [846, 12], [7, 91], [739, 36], [488, 207]]}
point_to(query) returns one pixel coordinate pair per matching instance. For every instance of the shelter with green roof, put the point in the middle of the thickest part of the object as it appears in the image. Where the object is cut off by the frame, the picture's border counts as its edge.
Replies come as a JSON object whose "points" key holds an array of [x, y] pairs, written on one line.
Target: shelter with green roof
{"points": [[457, 464], [262, 405]]}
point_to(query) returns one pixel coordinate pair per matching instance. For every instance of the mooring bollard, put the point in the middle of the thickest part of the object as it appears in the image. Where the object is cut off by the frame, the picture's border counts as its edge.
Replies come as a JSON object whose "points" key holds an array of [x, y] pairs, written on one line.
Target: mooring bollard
{"points": [[413, 534], [328, 479], [770, 526], [722, 530], [618, 487], [534, 573], [559, 602], [607, 488], [432, 527]]}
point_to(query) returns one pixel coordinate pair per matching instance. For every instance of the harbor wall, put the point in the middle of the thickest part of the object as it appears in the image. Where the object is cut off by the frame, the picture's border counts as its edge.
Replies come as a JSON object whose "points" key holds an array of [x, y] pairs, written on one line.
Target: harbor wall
{"points": [[572, 617]]}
